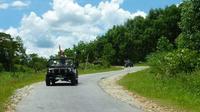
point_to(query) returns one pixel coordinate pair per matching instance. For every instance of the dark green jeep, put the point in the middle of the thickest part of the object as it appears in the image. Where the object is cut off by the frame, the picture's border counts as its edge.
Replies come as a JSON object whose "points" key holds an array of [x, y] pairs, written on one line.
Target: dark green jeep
{"points": [[64, 69]]}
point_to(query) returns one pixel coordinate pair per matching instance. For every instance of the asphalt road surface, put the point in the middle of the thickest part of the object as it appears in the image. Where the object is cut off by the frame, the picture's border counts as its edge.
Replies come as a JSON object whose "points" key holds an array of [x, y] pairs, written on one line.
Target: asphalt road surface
{"points": [[86, 97]]}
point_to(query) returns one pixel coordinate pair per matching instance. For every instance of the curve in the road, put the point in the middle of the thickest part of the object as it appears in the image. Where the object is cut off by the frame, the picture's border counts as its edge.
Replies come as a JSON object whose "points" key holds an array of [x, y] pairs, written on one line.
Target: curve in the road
{"points": [[86, 97]]}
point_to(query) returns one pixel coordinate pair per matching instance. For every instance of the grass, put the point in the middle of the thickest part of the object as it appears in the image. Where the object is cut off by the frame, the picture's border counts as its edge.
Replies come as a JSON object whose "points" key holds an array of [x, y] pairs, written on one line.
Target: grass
{"points": [[182, 93], [141, 64], [9, 82], [98, 70]]}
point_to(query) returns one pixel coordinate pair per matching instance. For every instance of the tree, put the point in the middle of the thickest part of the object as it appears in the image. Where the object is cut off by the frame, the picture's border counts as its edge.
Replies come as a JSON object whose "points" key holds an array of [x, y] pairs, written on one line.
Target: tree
{"points": [[37, 63], [9, 51], [164, 44], [190, 24], [108, 53], [69, 52], [133, 40]]}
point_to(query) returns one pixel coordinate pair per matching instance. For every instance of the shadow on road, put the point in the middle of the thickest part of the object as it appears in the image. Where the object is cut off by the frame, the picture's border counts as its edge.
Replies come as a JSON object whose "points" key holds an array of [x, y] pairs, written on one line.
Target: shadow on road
{"points": [[64, 84]]}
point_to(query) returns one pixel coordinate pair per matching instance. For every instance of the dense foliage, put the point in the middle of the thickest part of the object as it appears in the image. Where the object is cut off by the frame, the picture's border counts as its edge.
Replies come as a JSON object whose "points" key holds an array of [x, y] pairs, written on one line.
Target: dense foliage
{"points": [[190, 25], [13, 56], [171, 35], [185, 58], [133, 40], [174, 62]]}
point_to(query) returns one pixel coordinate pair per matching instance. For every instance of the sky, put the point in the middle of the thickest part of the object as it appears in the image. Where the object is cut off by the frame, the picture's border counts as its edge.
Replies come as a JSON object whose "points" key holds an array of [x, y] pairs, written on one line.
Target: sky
{"points": [[43, 25]]}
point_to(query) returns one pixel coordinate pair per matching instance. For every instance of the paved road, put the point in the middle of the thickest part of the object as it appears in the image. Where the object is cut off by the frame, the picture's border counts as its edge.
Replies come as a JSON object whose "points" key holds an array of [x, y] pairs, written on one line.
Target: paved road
{"points": [[86, 97]]}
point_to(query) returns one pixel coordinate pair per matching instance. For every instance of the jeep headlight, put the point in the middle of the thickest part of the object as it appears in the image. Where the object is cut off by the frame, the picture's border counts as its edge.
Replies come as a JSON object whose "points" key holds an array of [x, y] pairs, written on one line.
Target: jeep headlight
{"points": [[69, 69], [50, 71]]}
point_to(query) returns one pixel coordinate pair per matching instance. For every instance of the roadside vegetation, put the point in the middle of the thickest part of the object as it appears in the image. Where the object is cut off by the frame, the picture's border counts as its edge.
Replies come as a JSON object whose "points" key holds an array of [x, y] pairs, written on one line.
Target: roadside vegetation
{"points": [[174, 75], [17, 69], [141, 64], [133, 40], [9, 82], [181, 92]]}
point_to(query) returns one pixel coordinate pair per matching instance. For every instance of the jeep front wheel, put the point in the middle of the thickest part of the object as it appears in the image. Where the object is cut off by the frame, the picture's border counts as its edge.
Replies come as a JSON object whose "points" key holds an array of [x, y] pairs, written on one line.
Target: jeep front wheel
{"points": [[48, 82], [73, 81], [77, 81]]}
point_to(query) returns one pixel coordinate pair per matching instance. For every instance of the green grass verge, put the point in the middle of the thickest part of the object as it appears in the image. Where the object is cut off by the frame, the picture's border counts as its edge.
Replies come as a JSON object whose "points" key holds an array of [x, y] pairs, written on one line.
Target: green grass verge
{"points": [[141, 64], [98, 70], [182, 93], [9, 83]]}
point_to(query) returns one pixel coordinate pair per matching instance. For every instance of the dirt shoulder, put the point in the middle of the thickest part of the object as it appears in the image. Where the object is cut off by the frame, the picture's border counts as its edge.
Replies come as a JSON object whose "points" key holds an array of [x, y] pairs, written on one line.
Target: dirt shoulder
{"points": [[110, 86], [18, 95]]}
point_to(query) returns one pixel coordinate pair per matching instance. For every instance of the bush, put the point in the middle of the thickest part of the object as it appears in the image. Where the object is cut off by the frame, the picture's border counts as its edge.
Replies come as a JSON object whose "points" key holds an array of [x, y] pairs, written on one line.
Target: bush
{"points": [[22, 68], [1, 67], [164, 44], [171, 63], [83, 66], [106, 64]]}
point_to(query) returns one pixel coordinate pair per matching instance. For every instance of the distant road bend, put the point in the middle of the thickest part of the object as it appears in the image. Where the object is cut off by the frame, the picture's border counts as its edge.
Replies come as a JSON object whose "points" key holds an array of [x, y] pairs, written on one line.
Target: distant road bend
{"points": [[86, 97]]}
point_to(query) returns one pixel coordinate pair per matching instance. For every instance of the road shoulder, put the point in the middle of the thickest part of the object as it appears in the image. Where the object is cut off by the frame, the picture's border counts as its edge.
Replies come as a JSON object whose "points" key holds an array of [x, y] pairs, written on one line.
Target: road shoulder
{"points": [[18, 95], [110, 86]]}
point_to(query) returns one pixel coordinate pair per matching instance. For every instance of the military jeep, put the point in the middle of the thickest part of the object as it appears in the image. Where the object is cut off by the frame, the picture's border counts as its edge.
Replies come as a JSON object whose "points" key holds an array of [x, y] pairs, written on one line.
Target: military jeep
{"points": [[64, 69], [128, 63]]}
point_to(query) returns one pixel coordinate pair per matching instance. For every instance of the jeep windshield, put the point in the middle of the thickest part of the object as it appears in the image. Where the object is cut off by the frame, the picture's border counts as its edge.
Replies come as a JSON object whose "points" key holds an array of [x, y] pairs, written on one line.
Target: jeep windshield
{"points": [[60, 62]]}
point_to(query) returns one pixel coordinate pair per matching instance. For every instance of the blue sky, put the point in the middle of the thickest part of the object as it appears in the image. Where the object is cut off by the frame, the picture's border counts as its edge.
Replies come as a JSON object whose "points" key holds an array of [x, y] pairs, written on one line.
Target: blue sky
{"points": [[134, 5], [43, 25], [12, 16]]}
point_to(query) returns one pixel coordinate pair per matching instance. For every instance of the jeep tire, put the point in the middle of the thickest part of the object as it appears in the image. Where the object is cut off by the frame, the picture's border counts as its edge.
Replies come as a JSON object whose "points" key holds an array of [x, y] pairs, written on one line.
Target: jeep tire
{"points": [[53, 82], [74, 80], [48, 81]]}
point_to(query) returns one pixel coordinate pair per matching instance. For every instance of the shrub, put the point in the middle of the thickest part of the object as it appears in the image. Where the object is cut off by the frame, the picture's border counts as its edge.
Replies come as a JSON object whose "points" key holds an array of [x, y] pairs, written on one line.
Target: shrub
{"points": [[192, 43], [105, 64], [22, 68], [171, 63], [83, 66], [1, 67], [164, 44]]}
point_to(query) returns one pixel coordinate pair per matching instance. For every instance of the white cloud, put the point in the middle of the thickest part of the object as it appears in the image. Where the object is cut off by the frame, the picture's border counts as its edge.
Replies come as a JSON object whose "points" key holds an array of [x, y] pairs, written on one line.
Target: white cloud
{"points": [[4, 5], [12, 31], [117, 1], [19, 4], [139, 13], [67, 23], [177, 5], [15, 4]]}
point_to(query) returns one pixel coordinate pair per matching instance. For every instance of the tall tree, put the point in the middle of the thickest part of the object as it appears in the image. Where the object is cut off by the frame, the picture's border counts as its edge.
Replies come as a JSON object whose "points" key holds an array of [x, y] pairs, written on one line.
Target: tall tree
{"points": [[190, 25]]}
